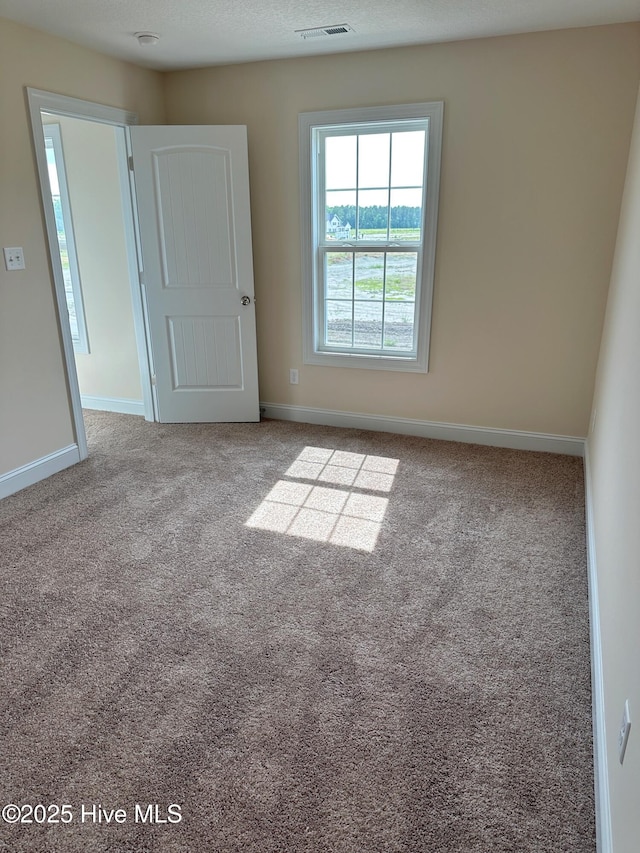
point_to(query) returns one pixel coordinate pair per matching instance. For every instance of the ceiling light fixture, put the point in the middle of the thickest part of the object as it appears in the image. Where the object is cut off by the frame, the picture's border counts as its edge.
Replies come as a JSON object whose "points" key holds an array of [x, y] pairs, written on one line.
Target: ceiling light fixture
{"points": [[146, 39]]}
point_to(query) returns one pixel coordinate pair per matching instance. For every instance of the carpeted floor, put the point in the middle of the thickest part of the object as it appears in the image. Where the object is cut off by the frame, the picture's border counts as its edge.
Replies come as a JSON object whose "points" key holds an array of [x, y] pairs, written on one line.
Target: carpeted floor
{"points": [[312, 640]]}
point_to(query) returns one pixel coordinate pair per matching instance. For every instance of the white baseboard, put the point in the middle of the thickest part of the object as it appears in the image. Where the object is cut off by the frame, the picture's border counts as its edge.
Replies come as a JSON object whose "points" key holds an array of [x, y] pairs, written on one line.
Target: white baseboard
{"points": [[27, 475], [113, 404], [600, 765], [514, 439]]}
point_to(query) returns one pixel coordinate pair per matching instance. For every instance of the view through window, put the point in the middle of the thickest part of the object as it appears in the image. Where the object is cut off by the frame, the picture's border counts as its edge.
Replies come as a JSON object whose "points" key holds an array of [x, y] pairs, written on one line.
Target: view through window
{"points": [[66, 241], [373, 210]]}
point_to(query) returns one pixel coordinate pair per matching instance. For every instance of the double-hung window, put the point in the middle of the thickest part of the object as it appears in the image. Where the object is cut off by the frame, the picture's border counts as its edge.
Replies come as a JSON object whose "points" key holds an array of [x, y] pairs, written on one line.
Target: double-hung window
{"points": [[369, 195]]}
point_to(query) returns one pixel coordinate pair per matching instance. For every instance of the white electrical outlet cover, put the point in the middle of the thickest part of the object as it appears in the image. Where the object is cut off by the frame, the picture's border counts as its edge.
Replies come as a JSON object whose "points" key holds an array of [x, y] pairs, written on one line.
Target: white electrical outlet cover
{"points": [[623, 734]]}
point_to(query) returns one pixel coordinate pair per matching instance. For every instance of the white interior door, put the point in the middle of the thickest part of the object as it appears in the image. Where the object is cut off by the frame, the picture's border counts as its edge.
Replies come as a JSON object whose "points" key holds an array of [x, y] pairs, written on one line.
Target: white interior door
{"points": [[192, 188]]}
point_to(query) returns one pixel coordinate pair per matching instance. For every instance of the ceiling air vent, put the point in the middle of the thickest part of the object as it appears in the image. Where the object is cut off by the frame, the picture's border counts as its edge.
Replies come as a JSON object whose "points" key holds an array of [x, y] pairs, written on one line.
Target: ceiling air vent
{"points": [[334, 30]]}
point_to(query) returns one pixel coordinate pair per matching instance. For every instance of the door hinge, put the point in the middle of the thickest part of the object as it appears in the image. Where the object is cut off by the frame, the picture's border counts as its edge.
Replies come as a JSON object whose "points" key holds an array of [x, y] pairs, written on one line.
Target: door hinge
{"points": [[131, 164], [153, 379]]}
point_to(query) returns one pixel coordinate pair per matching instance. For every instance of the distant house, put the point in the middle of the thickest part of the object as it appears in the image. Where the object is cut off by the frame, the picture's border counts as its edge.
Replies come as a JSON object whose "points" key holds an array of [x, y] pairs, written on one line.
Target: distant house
{"points": [[336, 230]]}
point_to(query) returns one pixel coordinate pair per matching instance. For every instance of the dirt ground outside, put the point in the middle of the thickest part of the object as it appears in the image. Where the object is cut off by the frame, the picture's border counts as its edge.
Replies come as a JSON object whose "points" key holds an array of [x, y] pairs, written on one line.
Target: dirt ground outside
{"points": [[370, 300]]}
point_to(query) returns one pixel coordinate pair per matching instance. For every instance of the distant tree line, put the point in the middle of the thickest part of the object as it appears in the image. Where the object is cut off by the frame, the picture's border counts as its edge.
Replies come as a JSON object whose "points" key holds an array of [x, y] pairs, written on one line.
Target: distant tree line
{"points": [[376, 216]]}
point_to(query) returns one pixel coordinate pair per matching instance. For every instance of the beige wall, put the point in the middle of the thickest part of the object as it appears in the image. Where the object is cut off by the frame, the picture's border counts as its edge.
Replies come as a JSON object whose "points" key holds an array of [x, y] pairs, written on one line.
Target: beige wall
{"points": [[614, 456], [536, 138], [35, 417], [111, 368]]}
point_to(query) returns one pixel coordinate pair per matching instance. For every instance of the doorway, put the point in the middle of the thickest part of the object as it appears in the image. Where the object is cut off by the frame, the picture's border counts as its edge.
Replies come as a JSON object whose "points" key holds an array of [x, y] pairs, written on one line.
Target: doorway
{"points": [[85, 183], [82, 155]]}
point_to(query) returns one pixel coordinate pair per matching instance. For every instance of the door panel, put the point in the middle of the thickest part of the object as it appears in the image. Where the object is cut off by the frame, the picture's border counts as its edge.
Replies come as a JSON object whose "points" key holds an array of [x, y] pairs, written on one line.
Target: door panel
{"points": [[192, 187], [205, 352]]}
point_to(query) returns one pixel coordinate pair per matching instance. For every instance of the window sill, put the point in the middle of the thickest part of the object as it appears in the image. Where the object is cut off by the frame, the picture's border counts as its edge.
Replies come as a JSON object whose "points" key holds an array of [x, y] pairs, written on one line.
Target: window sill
{"points": [[367, 362]]}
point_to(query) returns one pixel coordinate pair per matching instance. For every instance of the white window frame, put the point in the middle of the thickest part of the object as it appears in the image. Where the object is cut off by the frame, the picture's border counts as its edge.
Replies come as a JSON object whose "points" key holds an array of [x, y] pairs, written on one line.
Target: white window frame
{"points": [[310, 126]]}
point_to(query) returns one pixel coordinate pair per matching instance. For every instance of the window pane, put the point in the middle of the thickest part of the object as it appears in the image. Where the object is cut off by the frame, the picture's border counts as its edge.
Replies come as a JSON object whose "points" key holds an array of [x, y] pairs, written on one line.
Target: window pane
{"points": [[402, 270], [340, 215], [66, 244], [62, 239], [338, 323], [367, 330], [369, 275], [340, 162], [399, 325], [373, 160], [407, 159], [339, 275], [51, 165], [373, 215], [68, 286], [406, 215]]}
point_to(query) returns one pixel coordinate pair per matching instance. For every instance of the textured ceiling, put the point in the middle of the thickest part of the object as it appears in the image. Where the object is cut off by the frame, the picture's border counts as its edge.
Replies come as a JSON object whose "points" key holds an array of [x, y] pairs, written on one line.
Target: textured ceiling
{"points": [[197, 33]]}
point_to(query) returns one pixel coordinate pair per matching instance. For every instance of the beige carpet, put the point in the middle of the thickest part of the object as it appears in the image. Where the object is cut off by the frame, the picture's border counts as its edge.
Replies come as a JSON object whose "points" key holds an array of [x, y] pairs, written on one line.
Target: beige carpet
{"points": [[311, 640]]}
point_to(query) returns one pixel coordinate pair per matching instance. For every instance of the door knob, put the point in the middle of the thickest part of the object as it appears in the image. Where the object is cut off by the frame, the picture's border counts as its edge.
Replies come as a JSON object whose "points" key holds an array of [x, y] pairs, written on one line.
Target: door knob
{"points": [[246, 300]]}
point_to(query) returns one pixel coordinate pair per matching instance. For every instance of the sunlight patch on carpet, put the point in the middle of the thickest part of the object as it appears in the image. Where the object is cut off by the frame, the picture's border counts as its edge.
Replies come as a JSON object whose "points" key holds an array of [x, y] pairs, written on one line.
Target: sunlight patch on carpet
{"points": [[346, 515]]}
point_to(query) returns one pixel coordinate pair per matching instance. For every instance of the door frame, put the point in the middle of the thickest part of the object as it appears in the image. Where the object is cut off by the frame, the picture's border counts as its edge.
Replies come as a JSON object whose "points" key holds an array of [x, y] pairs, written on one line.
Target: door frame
{"points": [[39, 101]]}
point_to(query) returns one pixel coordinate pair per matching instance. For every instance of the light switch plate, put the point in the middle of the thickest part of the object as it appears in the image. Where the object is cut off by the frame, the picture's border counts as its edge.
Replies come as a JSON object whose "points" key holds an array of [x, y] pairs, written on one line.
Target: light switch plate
{"points": [[14, 258]]}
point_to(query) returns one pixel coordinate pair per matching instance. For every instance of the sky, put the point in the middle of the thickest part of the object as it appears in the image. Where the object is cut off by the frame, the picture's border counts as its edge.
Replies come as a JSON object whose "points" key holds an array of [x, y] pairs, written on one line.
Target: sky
{"points": [[368, 161], [53, 174]]}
